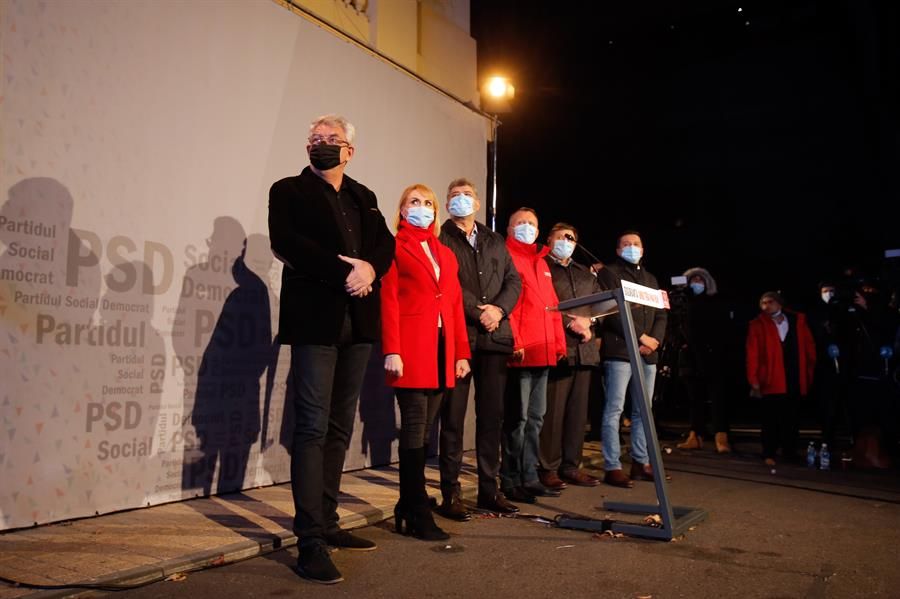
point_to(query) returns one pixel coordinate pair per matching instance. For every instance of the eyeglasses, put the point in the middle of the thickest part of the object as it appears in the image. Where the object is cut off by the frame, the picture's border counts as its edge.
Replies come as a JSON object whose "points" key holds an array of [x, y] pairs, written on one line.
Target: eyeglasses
{"points": [[332, 140], [570, 237]]}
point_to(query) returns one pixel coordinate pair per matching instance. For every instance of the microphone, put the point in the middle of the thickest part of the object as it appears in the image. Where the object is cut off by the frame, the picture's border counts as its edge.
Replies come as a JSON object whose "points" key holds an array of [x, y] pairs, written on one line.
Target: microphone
{"points": [[887, 352], [834, 352]]}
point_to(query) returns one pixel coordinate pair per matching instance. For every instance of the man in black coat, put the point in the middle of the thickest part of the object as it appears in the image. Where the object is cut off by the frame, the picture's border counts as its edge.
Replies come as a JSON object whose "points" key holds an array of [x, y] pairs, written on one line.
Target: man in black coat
{"points": [[568, 386], [650, 327], [491, 287], [327, 230]]}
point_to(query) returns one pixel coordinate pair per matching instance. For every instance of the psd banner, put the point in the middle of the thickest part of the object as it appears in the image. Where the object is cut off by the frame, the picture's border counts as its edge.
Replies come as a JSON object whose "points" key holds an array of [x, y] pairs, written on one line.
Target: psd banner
{"points": [[139, 296]]}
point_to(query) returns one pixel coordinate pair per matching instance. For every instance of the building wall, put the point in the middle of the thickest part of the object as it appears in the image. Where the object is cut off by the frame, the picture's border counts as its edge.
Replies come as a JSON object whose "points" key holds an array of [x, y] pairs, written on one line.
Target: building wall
{"points": [[429, 37]]}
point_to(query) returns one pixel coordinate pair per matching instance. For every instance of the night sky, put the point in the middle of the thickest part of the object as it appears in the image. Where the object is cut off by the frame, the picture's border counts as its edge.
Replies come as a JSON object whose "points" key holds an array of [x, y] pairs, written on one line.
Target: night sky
{"points": [[768, 152]]}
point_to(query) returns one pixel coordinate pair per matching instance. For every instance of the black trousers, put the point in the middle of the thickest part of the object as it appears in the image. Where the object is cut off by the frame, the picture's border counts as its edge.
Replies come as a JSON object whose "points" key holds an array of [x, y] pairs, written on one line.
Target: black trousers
{"points": [[562, 436], [703, 390], [418, 409], [489, 374], [780, 425], [326, 382]]}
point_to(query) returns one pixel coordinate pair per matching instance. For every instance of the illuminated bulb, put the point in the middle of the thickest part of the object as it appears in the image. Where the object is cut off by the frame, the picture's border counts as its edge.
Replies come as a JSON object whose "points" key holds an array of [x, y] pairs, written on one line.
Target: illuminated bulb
{"points": [[497, 87]]}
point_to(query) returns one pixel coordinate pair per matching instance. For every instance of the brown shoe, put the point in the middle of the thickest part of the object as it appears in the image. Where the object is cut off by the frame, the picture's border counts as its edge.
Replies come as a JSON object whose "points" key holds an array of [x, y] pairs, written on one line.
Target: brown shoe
{"points": [[498, 503], [644, 472], [722, 445], [581, 478], [551, 480], [693, 441], [454, 509], [617, 478]]}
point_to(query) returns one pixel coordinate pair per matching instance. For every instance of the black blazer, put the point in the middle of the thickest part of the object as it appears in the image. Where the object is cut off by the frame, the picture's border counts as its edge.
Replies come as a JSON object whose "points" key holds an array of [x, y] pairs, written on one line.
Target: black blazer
{"points": [[305, 237]]}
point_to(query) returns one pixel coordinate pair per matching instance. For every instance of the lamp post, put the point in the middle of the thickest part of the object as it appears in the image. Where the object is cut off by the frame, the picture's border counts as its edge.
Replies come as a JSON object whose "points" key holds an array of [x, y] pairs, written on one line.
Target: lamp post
{"points": [[496, 94]]}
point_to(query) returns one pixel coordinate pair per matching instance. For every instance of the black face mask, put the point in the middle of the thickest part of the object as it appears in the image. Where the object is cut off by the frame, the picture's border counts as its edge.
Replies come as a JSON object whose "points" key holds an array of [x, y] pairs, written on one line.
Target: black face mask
{"points": [[325, 156]]}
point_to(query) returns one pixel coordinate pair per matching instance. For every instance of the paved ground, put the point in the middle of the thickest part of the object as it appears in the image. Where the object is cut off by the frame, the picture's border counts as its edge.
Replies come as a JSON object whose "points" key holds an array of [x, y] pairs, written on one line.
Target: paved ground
{"points": [[797, 533]]}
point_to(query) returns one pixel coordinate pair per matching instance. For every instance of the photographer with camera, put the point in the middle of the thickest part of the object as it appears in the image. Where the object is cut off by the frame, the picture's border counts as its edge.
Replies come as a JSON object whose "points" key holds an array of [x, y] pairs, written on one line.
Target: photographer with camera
{"points": [[703, 322], [871, 333], [828, 323]]}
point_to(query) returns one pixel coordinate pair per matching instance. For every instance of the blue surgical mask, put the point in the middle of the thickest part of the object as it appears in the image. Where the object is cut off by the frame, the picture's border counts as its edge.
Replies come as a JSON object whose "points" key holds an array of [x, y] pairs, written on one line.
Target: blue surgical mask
{"points": [[632, 253], [461, 205], [525, 232], [827, 296], [777, 314], [698, 288], [420, 216], [563, 248]]}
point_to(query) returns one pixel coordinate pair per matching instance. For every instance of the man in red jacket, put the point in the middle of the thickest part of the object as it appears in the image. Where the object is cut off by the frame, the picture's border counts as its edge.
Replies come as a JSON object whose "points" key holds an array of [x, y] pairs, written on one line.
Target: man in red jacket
{"points": [[781, 359], [539, 342]]}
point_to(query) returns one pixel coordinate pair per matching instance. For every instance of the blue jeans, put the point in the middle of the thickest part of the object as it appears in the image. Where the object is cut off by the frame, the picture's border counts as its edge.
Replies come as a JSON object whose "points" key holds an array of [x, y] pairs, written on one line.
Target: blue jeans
{"points": [[522, 422], [617, 375]]}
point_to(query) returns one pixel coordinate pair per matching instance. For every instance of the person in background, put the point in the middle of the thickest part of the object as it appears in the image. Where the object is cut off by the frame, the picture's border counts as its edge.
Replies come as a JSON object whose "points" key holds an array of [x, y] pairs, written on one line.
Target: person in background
{"points": [[562, 435], [490, 288], [781, 361], [425, 346], [539, 344], [828, 321], [701, 363]]}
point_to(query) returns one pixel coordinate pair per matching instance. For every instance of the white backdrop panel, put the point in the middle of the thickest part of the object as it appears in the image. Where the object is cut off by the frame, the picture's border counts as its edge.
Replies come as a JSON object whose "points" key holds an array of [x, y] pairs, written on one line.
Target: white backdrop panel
{"points": [[138, 295]]}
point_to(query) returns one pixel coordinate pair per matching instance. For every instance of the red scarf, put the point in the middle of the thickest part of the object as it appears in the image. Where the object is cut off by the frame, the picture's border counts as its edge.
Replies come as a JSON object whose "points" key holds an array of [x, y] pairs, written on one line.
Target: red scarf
{"points": [[407, 232]]}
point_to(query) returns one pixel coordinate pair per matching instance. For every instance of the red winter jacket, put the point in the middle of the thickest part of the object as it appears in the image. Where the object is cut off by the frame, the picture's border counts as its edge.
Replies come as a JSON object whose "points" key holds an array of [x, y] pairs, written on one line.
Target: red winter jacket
{"points": [[765, 360], [536, 329], [411, 299]]}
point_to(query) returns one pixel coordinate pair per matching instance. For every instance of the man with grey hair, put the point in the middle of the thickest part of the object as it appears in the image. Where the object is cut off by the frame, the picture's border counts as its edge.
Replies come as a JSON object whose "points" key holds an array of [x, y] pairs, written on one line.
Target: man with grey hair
{"points": [[491, 288], [327, 230]]}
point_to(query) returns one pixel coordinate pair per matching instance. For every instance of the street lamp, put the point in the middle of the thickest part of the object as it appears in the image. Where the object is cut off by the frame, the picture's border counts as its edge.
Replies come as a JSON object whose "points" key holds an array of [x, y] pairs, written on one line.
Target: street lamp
{"points": [[496, 93]]}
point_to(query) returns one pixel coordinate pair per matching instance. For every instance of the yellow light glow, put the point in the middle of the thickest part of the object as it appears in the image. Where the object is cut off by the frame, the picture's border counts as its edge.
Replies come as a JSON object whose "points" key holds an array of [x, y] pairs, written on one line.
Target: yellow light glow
{"points": [[499, 87]]}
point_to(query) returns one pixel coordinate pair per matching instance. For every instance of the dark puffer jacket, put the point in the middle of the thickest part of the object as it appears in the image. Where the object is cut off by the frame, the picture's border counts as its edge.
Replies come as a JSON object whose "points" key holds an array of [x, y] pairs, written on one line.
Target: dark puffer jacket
{"points": [[487, 276], [647, 320]]}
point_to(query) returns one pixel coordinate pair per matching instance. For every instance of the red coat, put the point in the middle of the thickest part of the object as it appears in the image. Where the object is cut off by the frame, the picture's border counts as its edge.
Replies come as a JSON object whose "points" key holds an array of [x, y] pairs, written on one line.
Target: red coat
{"points": [[411, 300], [765, 360], [536, 329]]}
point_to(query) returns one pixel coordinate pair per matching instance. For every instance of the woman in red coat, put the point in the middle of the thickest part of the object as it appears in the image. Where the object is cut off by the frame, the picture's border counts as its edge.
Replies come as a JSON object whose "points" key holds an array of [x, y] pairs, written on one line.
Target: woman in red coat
{"points": [[425, 344], [781, 359]]}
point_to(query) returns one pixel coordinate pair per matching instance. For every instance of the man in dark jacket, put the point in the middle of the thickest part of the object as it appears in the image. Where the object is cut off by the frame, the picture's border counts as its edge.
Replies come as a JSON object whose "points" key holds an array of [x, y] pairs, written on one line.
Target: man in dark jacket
{"points": [[562, 436], [491, 287], [327, 230], [650, 327]]}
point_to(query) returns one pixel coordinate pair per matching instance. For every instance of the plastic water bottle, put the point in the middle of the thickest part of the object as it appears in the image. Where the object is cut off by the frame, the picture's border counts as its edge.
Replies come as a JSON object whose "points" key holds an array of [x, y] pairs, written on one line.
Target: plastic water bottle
{"points": [[811, 455], [824, 458]]}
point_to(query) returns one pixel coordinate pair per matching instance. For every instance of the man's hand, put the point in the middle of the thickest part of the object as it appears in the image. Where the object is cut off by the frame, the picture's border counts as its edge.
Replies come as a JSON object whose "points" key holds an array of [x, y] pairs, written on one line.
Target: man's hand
{"points": [[650, 342], [518, 355], [393, 364], [462, 368], [359, 281], [490, 317], [755, 391], [580, 325], [644, 350]]}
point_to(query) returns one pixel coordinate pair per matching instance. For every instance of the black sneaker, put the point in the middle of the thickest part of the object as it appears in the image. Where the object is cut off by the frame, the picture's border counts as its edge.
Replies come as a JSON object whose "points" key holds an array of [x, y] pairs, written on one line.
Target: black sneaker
{"points": [[314, 563], [343, 539]]}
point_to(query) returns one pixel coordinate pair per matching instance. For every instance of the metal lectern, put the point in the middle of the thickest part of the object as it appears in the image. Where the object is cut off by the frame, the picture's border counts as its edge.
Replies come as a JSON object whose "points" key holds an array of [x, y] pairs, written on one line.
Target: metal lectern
{"points": [[675, 520]]}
